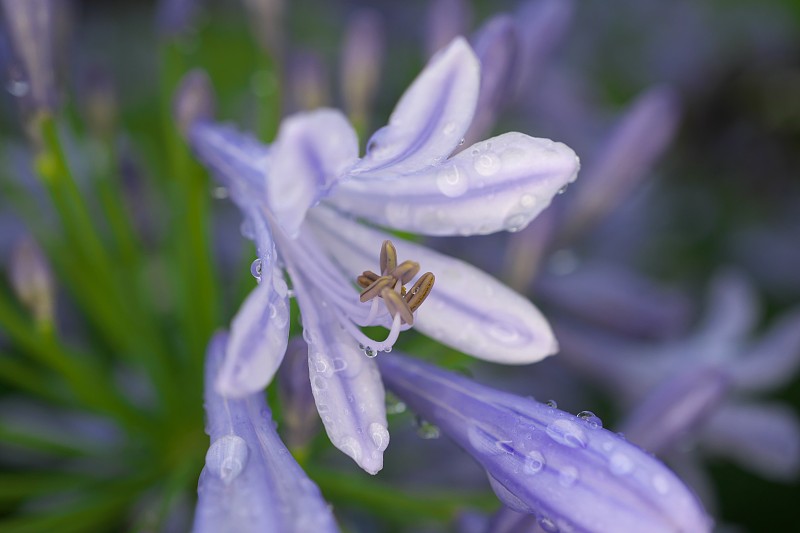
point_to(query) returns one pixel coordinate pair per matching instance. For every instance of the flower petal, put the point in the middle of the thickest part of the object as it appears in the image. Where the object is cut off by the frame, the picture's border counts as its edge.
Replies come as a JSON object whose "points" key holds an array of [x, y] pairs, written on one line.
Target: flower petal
{"points": [[497, 45], [250, 482], [627, 157], [499, 184], [259, 335], [763, 438], [676, 407], [570, 472], [731, 310], [312, 150], [237, 160], [773, 361], [346, 384], [467, 309], [431, 117]]}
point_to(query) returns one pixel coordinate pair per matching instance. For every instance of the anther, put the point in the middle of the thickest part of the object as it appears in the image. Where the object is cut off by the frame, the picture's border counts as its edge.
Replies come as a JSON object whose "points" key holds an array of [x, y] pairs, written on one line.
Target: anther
{"points": [[367, 278], [388, 257], [397, 305], [421, 289], [406, 271], [375, 288]]}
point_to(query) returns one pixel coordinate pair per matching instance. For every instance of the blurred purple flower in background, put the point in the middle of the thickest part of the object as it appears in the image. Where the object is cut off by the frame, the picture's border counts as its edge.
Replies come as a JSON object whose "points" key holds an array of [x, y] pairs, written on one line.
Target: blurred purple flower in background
{"points": [[567, 470], [405, 181], [696, 389]]}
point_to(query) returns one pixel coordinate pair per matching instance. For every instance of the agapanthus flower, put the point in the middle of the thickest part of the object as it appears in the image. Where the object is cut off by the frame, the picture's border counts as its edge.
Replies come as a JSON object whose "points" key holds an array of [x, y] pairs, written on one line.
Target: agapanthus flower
{"points": [[300, 198], [31, 26], [250, 481], [696, 388], [568, 470]]}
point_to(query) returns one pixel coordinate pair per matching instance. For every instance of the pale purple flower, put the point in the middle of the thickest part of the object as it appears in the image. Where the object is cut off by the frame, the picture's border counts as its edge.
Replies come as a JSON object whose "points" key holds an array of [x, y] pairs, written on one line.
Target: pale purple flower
{"points": [[362, 58], [447, 19], [32, 280], [31, 26], [626, 158], [300, 420], [300, 197], [696, 389], [567, 470], [251, 483]]}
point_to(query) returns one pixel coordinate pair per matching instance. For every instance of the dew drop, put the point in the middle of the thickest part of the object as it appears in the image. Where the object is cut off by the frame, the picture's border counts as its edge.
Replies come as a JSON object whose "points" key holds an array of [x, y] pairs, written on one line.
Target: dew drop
{"points": [[567, 433], [320, 366], [591, 420], [661, 484], [18, 88], [227, 457], [563, 189], [450, 181], [339, 364], [527, 201], [487, 163], [370, 352], [534, 462], [504, 333], [547, 525], [351, 447], [515, 222], [551, 404], [255, 269], [380, 435], [620, 464], [462, 141], [568, 476], [319, 383]]}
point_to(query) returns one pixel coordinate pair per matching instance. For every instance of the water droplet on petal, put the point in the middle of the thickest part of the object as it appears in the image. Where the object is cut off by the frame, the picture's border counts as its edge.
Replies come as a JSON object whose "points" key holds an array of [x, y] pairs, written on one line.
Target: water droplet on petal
{"points": [[339, 364], [563, 189], [515, 222], [547, 525], [567, 433], [551, 404], [380, 435], [661, 484], [370, 352], [487, 163], [350, 446], [504, 333], [567, 476], [527, 201], [591, 420], [450, 181], [534, 462], [227, 457], [255, 269], [620, 464]]}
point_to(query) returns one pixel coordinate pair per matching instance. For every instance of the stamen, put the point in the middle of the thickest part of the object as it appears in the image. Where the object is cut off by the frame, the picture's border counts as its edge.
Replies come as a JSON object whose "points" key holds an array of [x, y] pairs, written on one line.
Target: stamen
{"points": [[397, 305], [420, 291], [376, 287], [388, 257], [367, 278], [394, 276], [406, 271]]}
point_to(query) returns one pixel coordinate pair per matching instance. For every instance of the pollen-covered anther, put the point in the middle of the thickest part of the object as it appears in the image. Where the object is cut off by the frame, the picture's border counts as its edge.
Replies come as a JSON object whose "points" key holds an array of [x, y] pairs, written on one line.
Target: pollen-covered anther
{"points": [[390, 285], [397, 305], [421, 289]]}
